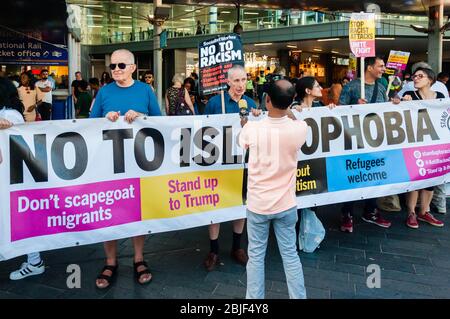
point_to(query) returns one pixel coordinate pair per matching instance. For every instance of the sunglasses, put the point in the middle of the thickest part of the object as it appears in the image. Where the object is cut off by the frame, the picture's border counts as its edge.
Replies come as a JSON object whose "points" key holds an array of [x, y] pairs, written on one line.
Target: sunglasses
{"points": [[418, 76], [121, 66], [149, 77]]}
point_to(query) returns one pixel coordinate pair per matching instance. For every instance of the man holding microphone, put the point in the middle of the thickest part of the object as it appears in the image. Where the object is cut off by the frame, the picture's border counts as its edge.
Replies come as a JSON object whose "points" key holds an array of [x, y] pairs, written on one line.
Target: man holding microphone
{"points": [[235, 102]]}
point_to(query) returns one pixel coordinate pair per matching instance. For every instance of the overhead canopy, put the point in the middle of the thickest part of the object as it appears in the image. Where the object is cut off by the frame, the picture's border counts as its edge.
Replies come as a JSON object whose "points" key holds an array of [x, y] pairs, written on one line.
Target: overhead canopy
{"points": [[387, 6]]}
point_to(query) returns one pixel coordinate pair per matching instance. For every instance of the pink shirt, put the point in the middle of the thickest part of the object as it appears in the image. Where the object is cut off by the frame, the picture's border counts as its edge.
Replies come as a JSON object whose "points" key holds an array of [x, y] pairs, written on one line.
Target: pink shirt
{"points": [[274, 144]]}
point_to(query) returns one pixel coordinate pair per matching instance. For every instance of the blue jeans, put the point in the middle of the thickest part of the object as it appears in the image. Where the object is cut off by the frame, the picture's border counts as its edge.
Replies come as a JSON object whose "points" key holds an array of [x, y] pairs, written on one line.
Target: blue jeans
{"points": [[258, 235]]}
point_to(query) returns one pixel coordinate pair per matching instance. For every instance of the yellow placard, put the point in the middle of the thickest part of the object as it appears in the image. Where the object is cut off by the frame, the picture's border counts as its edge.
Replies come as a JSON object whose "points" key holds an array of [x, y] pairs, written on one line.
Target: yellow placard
{"points": [[362, 34], [183, 194], [362, 30]]}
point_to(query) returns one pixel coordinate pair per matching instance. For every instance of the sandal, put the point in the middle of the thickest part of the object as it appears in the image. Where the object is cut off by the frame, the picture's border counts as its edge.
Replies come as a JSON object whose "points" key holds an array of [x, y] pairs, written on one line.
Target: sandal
{"points": [[138, 274], [109, 278]]}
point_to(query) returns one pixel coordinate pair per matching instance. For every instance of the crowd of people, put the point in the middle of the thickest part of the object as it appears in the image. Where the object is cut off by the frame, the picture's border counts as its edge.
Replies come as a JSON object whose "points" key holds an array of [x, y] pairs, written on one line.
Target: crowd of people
{"points": [[270, 192]]}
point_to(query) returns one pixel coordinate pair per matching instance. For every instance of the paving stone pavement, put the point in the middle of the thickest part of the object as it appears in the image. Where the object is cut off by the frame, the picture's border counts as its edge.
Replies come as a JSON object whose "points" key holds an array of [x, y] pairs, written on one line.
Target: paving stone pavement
{"points": [[414, 264]]}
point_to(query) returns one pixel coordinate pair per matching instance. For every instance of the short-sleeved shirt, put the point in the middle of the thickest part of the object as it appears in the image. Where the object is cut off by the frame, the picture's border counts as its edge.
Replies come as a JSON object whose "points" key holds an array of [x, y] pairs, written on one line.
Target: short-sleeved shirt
{"points": [[274, 144], [351, 93], [83, 104], [138, 97], [47, 96], [75, 85], [214, 105]]}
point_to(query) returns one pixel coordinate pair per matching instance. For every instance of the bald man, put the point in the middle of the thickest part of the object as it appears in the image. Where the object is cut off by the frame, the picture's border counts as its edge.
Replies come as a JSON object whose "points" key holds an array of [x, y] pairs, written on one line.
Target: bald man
{"points": [[132, 99], [237, 81]]}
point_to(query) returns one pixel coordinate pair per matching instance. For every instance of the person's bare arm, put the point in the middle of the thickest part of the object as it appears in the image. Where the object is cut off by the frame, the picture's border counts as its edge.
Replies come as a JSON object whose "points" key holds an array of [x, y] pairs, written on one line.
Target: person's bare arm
{"points": [[46, 89], [188, 101], [167, 105], [75, 100], [5, 123]]}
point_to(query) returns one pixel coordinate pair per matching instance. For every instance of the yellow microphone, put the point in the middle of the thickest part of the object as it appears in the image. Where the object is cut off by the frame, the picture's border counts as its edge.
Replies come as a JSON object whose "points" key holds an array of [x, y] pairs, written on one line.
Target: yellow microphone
{"points": [[243, 111]]}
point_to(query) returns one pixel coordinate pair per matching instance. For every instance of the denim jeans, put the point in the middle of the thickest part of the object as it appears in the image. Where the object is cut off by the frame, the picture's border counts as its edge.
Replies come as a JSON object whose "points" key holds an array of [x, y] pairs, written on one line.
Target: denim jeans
{"points": [[439, 198], [258, 234]]}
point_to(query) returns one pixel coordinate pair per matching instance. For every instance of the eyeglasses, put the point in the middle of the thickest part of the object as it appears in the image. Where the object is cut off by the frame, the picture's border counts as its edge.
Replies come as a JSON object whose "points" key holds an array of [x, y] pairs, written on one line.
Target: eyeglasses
{"points": [[418, 76], [149, 77], [121, 66]]}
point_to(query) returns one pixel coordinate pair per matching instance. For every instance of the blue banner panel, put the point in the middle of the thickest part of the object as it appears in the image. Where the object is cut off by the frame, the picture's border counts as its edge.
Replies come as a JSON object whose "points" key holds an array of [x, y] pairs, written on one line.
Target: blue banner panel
{"points": [[365, 170], [30, 51]]}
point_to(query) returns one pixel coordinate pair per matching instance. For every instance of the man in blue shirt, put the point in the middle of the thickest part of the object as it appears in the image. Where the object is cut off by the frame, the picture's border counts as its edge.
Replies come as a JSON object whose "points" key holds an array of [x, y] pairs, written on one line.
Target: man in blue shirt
{"points": [[131, 98], [237, 80], [234, 94]]}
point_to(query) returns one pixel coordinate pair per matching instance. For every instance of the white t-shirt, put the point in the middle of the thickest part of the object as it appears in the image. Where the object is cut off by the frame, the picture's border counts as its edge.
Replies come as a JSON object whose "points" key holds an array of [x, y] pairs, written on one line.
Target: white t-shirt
{"points": [[47, 96], [13, 116], [437, 87]]}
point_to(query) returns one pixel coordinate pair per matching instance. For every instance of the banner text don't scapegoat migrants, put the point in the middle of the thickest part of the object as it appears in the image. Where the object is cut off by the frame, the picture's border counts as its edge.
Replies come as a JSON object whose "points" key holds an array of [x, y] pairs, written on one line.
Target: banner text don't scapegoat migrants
{"points": [[73, 183]]}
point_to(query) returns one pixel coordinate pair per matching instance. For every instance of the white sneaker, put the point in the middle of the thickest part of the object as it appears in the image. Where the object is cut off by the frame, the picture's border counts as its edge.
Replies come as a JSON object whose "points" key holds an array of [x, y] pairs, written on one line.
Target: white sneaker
{"points": [[26, 270]]}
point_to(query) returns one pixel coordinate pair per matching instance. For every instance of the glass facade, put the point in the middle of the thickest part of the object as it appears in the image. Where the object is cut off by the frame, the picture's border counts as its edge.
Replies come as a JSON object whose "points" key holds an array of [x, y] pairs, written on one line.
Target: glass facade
{"points": [[111, 22]]}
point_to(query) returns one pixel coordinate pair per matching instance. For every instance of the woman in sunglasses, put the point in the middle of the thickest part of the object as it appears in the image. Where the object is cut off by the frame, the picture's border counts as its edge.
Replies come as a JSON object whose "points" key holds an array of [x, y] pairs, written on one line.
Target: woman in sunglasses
{"points": [[149, 79], [29, 96], [423, 80]]}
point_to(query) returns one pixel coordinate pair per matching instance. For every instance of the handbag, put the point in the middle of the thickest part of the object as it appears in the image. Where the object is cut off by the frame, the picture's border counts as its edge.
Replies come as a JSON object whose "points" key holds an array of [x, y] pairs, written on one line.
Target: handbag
{"points": [[311, 232], [389, 203], [181, 108]]}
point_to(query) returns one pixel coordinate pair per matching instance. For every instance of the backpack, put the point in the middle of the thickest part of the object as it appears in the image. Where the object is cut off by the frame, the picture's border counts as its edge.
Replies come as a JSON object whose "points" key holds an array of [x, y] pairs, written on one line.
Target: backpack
{"points": [[181, 108], [311, 231]]}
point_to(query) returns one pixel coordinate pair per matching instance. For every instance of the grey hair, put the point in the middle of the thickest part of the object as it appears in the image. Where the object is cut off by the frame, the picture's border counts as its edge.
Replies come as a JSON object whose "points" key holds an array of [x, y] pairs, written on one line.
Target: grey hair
{"points": [[127, 53], [234, 69], [177, 78], [421, 64]]}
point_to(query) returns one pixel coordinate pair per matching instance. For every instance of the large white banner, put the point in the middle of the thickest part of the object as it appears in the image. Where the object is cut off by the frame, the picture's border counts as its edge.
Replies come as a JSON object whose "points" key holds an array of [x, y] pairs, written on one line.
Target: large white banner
{"points": [[67, 183]]}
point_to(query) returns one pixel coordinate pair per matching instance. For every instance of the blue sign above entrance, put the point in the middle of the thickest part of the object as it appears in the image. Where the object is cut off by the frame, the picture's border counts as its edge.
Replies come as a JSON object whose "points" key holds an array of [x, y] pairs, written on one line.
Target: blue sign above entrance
{"points": [[30, 51]]}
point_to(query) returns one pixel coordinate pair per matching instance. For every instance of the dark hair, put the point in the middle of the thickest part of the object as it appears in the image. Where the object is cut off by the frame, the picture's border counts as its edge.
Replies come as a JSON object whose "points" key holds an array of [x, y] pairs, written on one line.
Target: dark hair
{"points": [[370, 61], [281, 94], [442, 75], [306, 82], [145, 73], [30, 80], [294, 81], [94, 81], [44, 70], [429, 72], [9, 97], [191, 82], [105, 79], [194, 75]]}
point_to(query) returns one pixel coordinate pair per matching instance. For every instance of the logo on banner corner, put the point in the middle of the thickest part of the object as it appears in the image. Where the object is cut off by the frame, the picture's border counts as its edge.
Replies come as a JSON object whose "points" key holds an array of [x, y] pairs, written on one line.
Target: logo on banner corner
{"points": [[445, 119]]}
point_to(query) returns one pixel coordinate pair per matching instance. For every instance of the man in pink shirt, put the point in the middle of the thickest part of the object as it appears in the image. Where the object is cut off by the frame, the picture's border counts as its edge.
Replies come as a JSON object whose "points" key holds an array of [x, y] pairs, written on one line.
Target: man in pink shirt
{"points": [[274, 143]]}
